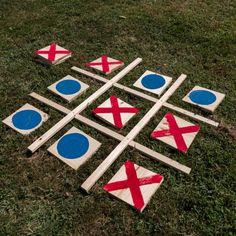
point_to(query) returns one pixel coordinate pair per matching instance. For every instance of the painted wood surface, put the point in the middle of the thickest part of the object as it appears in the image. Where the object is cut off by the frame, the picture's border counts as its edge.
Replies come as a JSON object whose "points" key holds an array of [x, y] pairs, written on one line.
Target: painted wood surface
{"points": [[153, 82], [58, 126], [204, 98], [26, 119], [115, 112], [175, 132], [147, 97], [74, 148], [134, 185], [101, 169], [105, 64], [69, 88], [110, 133], [53, 54]]}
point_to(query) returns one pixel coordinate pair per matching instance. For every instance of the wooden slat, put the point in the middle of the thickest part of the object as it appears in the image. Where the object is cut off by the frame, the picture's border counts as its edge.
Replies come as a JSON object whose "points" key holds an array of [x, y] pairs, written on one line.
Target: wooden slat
{"points": [[45, 137], [101, 169], [147, 151], [147, 97]]}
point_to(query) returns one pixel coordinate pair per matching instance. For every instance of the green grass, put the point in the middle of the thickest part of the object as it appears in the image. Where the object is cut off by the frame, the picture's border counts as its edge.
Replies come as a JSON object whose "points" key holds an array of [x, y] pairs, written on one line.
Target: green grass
{"points": [[41, 195]]}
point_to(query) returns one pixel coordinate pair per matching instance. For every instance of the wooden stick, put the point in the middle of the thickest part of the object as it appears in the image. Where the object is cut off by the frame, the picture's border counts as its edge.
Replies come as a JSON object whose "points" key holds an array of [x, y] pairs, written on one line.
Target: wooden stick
{"points": [[149, 152], [64, 121], [101, 169], [147, 97]]}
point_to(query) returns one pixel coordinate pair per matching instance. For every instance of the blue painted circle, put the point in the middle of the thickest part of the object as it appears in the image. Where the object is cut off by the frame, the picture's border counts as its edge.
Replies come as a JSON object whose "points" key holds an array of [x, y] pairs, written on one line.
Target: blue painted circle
{"points": [[68, 87], [202, 97], [26, 119], [73, 145], [153, 81]]}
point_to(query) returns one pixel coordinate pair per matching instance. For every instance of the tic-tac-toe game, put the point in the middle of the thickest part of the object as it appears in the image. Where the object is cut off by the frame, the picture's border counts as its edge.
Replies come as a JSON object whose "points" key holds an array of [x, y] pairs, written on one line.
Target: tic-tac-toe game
{"points": [[117, 118]]}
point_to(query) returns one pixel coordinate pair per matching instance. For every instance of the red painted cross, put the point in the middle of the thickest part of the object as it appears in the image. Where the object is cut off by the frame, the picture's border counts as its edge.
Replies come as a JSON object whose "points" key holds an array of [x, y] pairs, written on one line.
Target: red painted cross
{"points": [[52, 52], [116, 111], [175, 131], [133, 183], [104, 63]]}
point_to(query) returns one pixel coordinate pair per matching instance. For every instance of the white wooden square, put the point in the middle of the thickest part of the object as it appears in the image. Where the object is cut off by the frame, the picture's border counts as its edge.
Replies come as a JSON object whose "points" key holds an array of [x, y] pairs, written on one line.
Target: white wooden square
{"points": [[74, 148], [115, 112], [176, 132], [53, 54], [134, 185], [26, 119], [205, 98], [153, 82], [68, 88], [105, 64]]}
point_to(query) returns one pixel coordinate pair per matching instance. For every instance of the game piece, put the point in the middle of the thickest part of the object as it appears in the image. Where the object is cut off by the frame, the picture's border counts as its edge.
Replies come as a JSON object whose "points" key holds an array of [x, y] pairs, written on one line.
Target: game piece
{"points": [[105, 64], [52, 54], [134, 185], [74, 148], [26, 119], [205, 98], [176, 132], [68, 88], [153, 82], [115, 112]]}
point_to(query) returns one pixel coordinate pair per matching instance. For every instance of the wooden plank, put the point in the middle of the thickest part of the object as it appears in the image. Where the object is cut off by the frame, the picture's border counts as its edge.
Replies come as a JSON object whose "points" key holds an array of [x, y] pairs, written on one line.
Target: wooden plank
{"points": [[147, 97], [192, 115], [45, 137], [101, 169], [147, 151]]}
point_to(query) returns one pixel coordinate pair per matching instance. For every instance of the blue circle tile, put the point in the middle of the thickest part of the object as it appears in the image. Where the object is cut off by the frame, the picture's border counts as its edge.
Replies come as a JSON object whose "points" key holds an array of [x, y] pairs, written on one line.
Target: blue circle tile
{"points": [[73, 145], [26, 119], [202, 97], [68, 87], [153, 81]]}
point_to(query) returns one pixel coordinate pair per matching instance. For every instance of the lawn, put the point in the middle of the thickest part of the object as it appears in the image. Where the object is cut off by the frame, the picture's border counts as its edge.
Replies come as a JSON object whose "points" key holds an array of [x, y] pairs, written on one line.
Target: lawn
{"points": [[40, 195]]}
